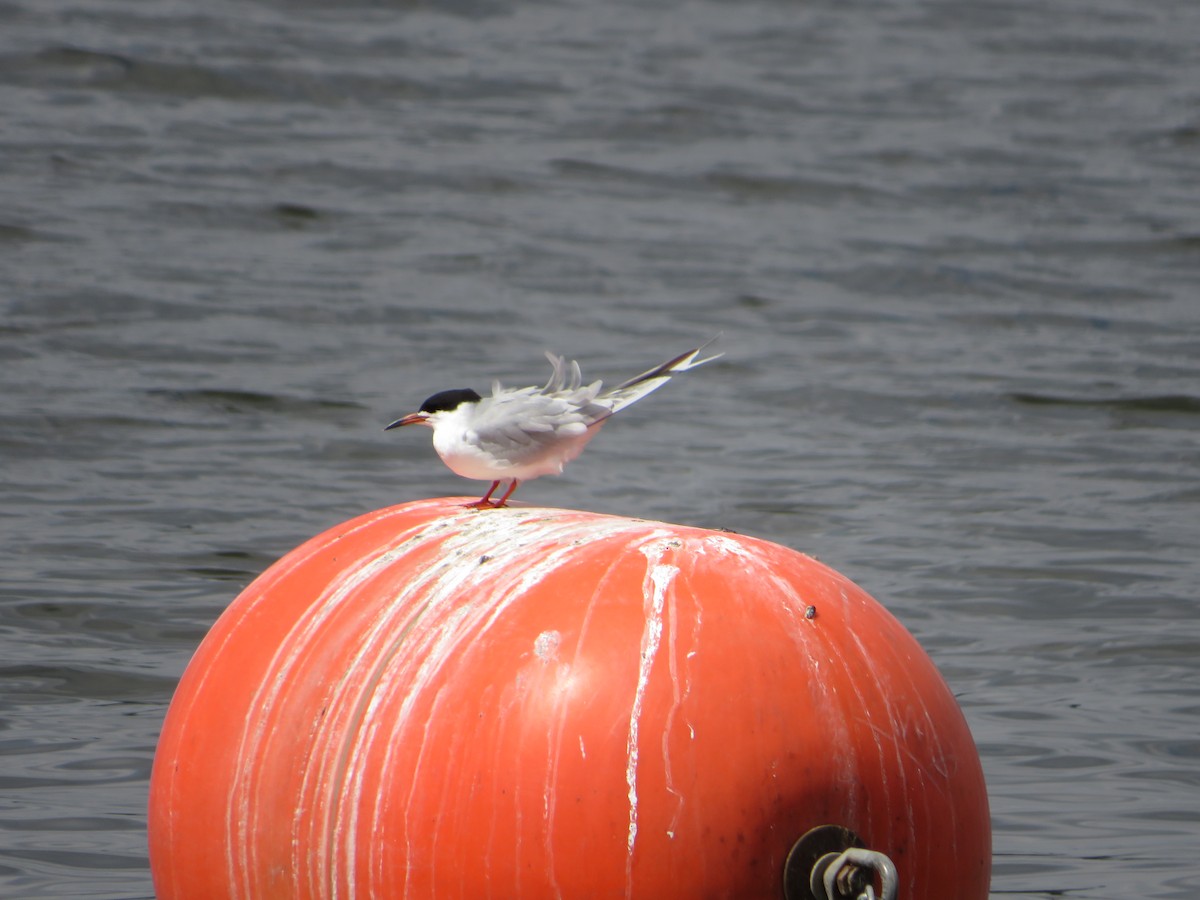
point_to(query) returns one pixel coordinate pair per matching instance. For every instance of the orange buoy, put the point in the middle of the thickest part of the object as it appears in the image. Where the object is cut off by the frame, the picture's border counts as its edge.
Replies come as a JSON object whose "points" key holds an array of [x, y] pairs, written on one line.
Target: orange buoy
{"points": [[431, 702]]}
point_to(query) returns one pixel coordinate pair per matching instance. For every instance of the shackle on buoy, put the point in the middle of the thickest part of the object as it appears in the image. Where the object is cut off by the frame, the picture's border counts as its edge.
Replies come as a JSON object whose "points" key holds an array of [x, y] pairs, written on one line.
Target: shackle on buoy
{"points": [[830, 862]]}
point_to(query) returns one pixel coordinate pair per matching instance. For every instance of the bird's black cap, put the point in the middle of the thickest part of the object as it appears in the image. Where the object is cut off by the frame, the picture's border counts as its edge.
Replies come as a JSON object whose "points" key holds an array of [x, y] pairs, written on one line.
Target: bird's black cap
{"points": [[444, 401]]}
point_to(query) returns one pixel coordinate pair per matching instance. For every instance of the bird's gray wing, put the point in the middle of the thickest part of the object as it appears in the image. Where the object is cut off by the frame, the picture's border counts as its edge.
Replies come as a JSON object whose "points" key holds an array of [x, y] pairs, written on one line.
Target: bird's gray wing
{"points": [[525, 421]]}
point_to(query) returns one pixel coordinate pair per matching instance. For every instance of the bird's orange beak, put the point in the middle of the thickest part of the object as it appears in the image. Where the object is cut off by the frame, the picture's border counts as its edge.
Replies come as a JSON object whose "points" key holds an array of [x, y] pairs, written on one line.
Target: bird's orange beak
{"points": [[417, 418]]}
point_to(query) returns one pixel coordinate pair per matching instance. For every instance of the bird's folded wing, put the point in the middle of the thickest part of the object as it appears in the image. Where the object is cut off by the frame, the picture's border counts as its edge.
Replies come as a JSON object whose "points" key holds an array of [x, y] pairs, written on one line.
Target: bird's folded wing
{"points": [[527, 418]]}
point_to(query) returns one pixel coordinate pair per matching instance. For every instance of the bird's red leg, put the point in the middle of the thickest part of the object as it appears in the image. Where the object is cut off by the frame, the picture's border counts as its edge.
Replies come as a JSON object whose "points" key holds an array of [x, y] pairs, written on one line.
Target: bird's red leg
{"points": [[484, 501], [512, 487]]}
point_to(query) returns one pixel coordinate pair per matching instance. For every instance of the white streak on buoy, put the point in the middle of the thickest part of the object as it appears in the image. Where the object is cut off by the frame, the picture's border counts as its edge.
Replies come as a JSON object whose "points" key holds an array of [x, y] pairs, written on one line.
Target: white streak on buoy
{"points": [[545, 646], [517, 539], [679, 695], [658, 580], [243, 803]]}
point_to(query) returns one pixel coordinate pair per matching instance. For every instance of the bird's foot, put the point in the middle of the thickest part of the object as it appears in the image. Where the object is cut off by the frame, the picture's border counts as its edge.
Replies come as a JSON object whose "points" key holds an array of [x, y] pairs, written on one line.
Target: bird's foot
{"points": [[486, 501], [485, 504]]}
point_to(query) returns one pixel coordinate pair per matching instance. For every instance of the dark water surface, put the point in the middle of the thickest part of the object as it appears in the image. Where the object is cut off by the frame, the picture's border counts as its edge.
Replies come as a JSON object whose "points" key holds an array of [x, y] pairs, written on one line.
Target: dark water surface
{"points": [[954, 250]]}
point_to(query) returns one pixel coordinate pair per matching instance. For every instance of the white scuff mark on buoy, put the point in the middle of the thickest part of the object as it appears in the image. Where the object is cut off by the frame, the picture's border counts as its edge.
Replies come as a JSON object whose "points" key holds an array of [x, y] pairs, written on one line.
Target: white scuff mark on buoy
{"points": [[564, 690], [654, 591], [414, 657], [891, 732], [545, 646], [429, 596], [243, 804], [681, 689], [288, 659], [723, 544], [424, 617]]}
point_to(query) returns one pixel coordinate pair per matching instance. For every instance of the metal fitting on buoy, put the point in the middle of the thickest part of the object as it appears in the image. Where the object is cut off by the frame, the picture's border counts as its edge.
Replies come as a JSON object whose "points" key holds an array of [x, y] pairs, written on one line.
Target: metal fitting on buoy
{"points": [[831, 863]]}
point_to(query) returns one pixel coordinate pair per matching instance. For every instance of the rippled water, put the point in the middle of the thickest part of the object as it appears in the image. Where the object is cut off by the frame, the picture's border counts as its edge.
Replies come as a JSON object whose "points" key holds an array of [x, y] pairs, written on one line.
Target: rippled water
{"points": [[953, 249]]}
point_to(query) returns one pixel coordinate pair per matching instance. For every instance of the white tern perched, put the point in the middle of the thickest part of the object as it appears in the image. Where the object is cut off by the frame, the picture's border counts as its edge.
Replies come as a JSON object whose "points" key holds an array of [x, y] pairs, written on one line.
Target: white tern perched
{"points": [[518, 434]]}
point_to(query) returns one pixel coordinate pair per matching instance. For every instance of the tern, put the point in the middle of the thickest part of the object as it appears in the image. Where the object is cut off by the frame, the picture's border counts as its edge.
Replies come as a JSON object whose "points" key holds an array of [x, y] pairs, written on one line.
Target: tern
{"points": [[518, 434]]}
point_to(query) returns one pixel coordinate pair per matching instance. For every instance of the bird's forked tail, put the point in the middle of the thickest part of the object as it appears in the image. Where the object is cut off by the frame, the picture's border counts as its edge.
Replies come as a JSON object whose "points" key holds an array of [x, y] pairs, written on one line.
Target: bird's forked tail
{"points": [[639, 386]]}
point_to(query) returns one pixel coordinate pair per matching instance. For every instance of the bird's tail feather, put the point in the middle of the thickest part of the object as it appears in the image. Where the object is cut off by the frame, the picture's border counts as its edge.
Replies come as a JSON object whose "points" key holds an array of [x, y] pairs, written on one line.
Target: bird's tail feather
{"points": [[651, 380]]}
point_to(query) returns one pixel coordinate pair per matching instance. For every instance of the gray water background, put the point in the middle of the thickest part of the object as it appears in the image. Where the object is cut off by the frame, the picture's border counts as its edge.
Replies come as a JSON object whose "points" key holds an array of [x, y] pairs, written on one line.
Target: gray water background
{"points": [[954, 249]]}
